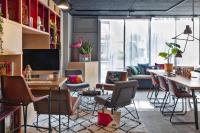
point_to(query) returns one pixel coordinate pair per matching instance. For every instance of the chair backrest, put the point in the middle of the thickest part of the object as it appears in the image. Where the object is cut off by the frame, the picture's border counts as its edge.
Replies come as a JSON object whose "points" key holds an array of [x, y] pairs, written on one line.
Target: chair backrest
{"points": [[154, 80], [123, 93], [113, 76], [163, 83], [73, 72], [63, 96], [173, 88], [15, 90]]}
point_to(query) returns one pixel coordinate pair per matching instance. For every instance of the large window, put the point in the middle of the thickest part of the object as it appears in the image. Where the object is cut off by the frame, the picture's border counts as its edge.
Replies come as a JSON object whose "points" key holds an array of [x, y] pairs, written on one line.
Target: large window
{"points": [[112, 46], [162, 31], [137, 42]]}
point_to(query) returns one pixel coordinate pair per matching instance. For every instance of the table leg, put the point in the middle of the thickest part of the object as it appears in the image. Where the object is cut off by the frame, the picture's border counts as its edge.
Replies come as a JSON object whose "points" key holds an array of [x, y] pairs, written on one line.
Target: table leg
{"points": [[49, 110], [59, 106], [195, 109]]}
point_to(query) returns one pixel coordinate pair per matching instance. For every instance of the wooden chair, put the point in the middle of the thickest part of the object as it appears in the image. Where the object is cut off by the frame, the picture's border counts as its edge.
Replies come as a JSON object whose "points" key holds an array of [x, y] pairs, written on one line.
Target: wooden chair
{"points": [[16, 92]]}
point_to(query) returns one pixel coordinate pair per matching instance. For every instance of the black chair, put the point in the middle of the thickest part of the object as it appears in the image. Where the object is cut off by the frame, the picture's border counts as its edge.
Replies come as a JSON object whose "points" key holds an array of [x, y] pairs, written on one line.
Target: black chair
{"points": [[122, 96], [75, 87]]}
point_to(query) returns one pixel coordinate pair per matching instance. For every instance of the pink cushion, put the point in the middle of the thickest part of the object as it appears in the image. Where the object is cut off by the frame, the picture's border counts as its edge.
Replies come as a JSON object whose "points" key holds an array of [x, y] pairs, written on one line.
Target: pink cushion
{"points": [[74, 79]]}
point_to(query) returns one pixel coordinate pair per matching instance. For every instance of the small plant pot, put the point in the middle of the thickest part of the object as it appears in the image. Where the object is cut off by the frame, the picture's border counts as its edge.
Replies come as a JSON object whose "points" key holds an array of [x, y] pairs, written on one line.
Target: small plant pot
{"points": [[85, 57], [168, 68]]}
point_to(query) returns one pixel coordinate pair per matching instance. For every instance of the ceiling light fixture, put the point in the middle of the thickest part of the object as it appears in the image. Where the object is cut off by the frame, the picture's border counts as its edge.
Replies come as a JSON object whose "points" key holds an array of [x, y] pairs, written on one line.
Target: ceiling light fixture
{"points": [[187, 32], [63, 4]]}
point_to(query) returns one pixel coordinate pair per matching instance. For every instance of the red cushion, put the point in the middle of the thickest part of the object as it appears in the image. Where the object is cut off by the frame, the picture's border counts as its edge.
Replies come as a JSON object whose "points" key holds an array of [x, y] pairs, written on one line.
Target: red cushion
{"points": [[74, 79]]}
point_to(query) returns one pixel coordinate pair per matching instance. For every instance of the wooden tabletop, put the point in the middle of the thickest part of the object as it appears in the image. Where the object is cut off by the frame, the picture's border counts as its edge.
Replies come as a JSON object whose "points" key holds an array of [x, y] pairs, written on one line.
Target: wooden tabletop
{"points": [[41, 84], [192, 83]]}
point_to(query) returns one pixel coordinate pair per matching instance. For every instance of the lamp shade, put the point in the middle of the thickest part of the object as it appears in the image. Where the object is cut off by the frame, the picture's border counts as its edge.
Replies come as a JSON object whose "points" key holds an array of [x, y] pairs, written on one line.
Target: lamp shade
{"points": [[63, 4], [187, 30]]}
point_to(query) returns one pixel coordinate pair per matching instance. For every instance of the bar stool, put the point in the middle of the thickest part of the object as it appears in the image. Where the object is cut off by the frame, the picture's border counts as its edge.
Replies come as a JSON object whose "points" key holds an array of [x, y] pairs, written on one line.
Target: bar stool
{"points": [[15, 91]]}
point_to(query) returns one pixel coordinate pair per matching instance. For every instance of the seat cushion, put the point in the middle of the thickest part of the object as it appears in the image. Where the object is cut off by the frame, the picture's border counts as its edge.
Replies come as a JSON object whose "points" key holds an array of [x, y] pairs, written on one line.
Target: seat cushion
{"points": [[103, 99], [134, 77], [182, 94]]}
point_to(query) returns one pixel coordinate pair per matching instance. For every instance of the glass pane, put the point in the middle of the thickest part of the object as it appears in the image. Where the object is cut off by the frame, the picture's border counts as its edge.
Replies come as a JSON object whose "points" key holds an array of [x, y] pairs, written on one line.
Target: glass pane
{"points": [[190, 57], [112, 45], [162, 31], [137, 42]]}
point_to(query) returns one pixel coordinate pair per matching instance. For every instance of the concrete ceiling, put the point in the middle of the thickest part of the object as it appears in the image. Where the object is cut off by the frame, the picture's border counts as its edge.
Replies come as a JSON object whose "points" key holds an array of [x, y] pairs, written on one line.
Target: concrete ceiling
{"points": [[134, 7]]}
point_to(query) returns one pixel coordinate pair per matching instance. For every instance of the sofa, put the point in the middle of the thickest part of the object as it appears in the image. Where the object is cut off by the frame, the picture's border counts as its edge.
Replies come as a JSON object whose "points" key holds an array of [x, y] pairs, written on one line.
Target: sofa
{"points": [[140, 74]]}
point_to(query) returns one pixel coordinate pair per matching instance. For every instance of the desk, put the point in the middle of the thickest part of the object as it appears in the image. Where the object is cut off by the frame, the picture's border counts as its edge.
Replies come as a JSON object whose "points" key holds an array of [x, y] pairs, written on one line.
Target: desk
{"points": [[193, 84], [48, 85]]}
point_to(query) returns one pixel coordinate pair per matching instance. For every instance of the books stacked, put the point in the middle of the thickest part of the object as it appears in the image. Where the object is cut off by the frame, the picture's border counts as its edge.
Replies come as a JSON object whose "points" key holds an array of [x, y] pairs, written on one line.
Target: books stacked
{"points": [[7, 68]]}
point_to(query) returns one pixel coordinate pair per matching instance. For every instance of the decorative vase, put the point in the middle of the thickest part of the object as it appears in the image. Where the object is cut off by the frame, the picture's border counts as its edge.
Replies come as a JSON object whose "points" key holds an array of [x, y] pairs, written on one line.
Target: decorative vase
{"points": [[85, 57], [168, 67]]}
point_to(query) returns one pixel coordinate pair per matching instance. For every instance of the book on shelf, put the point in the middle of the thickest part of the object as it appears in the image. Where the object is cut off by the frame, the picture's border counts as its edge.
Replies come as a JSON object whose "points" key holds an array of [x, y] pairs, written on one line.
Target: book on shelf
{"points": [[7, 68]]}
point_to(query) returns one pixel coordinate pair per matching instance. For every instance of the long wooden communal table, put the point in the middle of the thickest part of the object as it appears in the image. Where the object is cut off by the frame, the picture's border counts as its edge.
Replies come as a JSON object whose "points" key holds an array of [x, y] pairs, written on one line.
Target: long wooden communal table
{"points": [[193, 84], [48, 85]]}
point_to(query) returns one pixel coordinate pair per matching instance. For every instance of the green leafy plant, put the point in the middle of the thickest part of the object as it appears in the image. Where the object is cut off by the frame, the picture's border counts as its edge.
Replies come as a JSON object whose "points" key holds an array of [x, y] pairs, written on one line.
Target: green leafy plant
{"points": [[54, 30], [86, 48], [1, 22], [172, 50]]}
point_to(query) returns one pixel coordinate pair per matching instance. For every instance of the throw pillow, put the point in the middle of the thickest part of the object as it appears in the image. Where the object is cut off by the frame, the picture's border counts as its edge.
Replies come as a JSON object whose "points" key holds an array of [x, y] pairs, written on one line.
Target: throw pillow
{"points": [[143, 68], [134, 70], [112, 77], [74, 79]]}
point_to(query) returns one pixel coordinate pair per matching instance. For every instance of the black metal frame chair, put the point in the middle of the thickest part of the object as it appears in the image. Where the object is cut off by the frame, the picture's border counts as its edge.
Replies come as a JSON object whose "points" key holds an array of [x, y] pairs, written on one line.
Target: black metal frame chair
{"points": [[122, 96]]}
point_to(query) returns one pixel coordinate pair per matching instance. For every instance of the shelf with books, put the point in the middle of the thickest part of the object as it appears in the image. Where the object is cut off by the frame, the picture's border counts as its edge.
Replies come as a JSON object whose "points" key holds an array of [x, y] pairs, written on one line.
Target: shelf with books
{"points": [[12, 63]]}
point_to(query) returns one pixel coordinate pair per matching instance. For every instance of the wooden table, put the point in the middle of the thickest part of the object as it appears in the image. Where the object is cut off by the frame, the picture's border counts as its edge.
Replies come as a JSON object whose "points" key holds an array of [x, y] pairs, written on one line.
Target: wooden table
{"points": [[48, 85], [192, 84]]}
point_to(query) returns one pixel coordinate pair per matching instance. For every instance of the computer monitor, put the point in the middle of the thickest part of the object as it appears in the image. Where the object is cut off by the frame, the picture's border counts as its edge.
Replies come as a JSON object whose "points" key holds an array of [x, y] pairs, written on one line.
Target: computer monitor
{"points": [[42, 59]]}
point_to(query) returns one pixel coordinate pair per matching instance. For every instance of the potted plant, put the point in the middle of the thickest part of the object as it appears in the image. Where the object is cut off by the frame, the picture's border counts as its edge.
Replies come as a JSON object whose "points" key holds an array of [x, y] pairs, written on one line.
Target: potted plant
{"points": [[173, 49], [85, 51]]}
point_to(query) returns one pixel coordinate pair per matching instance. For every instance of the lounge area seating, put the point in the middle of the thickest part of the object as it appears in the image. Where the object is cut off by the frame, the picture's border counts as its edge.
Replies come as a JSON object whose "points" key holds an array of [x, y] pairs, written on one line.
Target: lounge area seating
{"points": [[111, 77], [143, 78]]}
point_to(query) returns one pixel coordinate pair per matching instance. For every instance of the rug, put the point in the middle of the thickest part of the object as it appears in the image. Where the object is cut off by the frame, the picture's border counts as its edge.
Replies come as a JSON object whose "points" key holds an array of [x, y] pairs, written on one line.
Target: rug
{"points": [[87, 122]]}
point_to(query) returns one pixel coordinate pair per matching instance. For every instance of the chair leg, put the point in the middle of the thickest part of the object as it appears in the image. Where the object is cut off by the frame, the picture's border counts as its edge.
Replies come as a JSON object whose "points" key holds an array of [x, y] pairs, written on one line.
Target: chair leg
{"points": [[135, 109], [49, 112], [94, 108], [163, 101], [173, 110], [25, 117], [68, 122]]}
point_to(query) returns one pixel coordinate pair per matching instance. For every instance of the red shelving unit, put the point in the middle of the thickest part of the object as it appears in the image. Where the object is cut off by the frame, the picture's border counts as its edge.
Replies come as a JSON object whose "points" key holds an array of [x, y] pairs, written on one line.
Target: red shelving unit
{"points": [[58, 31], [25, 12], [33, 13], [4, 8], [14, 13], [46, 19]]}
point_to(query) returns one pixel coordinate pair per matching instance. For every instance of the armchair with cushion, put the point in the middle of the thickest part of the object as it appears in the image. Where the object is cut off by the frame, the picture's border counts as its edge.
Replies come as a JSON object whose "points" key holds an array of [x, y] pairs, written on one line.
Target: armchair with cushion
{"points": [[122, 96], [111, 78]]}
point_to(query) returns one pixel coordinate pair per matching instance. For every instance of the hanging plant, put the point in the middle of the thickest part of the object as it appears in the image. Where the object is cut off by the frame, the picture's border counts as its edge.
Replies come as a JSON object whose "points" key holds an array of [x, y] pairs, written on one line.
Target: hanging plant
{"points": [[54, 30]]}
